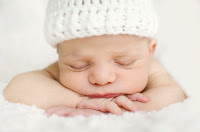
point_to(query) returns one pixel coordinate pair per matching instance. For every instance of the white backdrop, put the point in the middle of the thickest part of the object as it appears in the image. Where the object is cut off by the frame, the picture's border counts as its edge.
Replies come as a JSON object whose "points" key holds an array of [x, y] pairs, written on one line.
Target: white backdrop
{"points": [[23, 47]]}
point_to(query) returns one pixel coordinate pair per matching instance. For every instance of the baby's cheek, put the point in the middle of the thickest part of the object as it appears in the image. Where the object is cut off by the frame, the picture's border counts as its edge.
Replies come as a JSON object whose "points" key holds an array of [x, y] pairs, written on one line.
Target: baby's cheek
{"points": [[63, 80], [73, 81], [66, 78], [136, 84]]}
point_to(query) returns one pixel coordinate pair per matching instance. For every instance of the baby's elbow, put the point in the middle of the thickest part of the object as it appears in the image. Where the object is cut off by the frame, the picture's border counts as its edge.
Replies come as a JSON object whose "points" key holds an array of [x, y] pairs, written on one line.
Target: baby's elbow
{"points": [[14, 89], [180, 94], [183, 96]]}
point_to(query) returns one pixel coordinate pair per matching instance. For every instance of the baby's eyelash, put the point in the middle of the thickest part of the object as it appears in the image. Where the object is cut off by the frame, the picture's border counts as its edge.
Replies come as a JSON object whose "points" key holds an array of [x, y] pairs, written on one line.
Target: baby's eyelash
{"points": [[79, 69], [125, 65]]}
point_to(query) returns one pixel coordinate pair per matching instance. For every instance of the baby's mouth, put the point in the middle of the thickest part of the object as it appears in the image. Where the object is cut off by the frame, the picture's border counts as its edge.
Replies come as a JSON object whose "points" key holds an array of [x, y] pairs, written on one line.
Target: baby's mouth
{"points": [[103, 95]]}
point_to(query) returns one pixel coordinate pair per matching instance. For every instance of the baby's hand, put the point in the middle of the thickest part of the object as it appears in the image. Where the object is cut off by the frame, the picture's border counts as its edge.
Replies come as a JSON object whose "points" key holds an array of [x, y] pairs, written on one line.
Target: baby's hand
{"points": [[71, 112], [93, 106], [138, 97], [112, 105]]}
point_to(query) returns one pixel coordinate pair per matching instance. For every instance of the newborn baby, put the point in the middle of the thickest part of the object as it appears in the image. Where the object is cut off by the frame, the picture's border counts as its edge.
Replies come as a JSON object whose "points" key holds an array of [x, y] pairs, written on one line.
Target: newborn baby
{"points": [[105, 61]]}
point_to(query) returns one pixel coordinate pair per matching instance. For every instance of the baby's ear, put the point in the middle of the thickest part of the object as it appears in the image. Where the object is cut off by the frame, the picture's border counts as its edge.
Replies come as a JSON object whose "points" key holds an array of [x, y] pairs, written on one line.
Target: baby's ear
{"points": [[57, 48], [152, 46]]}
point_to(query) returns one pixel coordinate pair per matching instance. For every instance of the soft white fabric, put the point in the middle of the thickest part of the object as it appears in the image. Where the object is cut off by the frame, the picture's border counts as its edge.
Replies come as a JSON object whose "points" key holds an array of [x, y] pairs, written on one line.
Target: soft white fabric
{"points": [[69, 19], [181, 117]]}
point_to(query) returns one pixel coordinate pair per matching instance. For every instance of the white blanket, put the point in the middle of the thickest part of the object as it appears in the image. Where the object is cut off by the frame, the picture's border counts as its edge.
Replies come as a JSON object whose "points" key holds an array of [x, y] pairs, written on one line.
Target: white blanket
{"points": [[180, 117]]}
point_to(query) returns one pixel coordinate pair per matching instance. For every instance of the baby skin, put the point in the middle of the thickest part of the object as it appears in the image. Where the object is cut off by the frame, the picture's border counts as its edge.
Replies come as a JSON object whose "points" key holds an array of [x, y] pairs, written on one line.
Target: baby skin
{"points": [[99, 74]]}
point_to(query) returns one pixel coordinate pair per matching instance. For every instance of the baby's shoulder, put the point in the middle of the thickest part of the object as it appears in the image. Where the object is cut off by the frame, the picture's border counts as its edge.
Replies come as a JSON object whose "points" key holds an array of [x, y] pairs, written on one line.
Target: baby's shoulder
{"points": [[53, 70], [156, 67]]}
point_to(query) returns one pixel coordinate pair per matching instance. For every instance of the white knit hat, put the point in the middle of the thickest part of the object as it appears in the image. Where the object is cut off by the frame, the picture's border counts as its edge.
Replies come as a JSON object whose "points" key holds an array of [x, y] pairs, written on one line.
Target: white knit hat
{"points": [[70, 19]]}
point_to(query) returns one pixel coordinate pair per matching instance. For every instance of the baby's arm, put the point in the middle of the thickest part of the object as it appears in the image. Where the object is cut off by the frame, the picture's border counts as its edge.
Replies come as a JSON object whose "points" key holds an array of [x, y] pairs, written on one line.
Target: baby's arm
{"points": [[41, 89], [162, 90]]}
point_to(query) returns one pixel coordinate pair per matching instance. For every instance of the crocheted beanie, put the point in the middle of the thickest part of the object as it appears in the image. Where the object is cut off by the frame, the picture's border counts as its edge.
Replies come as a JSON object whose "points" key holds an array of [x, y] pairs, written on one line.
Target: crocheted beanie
{"points": [[70, 19]]}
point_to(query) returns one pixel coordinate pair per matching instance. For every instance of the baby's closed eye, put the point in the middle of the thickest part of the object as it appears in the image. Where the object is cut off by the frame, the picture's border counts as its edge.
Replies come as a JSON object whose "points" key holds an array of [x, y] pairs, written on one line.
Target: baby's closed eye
{"points": [[125, 63], [78, 66]]}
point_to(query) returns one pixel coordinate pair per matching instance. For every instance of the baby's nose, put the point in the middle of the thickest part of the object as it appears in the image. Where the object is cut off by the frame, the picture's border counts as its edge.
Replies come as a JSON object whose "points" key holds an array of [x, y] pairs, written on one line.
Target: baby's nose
{"points": [[102, 76]]}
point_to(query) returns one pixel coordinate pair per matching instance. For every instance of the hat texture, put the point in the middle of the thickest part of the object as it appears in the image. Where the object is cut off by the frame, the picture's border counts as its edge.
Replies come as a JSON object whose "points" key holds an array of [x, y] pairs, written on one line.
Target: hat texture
{"points": [[70, 19]]}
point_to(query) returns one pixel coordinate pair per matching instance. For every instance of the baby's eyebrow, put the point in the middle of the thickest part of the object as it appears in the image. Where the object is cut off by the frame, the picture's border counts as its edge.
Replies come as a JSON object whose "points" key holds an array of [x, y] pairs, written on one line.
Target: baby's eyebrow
{"points": [[126, 52], [123, 52], [75, 54]]}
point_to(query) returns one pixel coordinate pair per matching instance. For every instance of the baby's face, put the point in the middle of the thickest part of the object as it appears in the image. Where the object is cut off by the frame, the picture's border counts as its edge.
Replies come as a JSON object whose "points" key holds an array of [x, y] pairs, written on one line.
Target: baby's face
{"points": [[105, 66]]}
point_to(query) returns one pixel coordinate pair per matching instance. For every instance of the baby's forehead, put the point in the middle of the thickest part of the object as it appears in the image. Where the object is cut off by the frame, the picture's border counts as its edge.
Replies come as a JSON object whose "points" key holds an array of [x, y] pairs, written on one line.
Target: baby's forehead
{"points": [[107, 38], [118, 43]]}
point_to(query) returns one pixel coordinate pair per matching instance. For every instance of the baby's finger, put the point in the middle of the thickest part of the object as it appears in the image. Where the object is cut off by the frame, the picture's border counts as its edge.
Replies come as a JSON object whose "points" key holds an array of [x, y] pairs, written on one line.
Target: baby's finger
{"points": [[52, 110], [126, 103], [60, 111], [84, 112], [101, 104], [64, 112], [109, 106], [89, 104], [138, 97]]}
